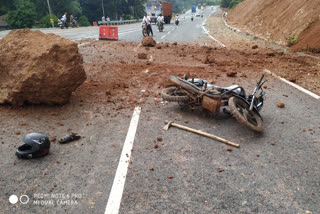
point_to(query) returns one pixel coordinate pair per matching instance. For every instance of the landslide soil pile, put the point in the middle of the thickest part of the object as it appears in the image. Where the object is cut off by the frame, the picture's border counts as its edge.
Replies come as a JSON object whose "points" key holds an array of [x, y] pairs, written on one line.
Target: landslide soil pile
{"points": [[38, 68], [119, 77], [277, 21]]}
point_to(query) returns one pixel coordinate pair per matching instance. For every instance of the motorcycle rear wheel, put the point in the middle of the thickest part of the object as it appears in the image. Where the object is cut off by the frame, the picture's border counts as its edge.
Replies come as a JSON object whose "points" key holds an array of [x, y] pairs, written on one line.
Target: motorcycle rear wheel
{"points": [[174, 94], [240, 110]]}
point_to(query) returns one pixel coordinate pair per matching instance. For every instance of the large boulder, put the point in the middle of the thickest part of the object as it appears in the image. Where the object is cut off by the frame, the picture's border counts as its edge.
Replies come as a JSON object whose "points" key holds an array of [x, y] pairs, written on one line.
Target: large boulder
{"points": [[38, 68]]}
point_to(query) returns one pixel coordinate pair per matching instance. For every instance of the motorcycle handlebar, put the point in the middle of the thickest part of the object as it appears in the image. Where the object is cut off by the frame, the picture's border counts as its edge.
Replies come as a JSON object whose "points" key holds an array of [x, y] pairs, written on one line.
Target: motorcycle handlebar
{"points": [[260, 79]]}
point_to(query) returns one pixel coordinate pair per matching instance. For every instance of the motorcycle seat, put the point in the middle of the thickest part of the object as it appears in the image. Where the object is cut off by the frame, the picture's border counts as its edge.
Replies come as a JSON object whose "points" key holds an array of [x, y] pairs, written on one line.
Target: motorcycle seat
{"points": [[230, 88]]}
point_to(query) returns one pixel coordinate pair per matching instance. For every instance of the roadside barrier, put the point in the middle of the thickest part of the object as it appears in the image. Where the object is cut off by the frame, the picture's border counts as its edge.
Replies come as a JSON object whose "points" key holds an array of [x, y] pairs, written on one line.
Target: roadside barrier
{"points": [[118, 22], [108, 33]]}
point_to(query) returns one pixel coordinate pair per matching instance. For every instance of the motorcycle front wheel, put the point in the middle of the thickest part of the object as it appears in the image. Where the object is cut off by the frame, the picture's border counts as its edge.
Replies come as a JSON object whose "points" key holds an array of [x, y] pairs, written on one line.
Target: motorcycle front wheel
{"points": [[174, 94], [240, 110]]}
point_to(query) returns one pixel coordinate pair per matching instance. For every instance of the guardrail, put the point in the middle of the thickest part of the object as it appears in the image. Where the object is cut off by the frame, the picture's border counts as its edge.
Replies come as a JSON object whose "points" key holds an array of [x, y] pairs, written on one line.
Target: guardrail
{"points": [[119, 22]]}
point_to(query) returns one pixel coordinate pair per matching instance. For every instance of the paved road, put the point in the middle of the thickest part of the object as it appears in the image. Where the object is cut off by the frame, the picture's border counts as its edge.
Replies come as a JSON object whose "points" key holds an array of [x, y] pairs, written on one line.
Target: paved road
{"points": [[187, 31], [257, 178]]}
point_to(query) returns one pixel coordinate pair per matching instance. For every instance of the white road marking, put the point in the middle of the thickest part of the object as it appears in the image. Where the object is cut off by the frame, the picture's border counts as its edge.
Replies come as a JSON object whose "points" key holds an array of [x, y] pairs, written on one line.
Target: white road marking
{"points": [[115, 196], [294, 85], [131, 31], [163, 36]]}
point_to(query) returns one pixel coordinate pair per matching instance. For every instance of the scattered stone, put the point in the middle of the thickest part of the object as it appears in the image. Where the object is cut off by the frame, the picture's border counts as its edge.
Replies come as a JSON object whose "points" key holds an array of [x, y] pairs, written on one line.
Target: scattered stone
{"points": [[156, 146], [271, 54], [57, 162], [148, 41], [265, 86], [18, 133], [229, 149], [273, 143], [53, 139], [175, 43], [158, 47], [108, 92], [142, 56], [60, 124], [231, 73], [220, 170], [151, 169], [307, 171], [282, 122], [257, 155], [285, 95], [186, 121], [255, 47], [292, 79], [159, 138], [280, 104], [229, 164], [170, 177]]}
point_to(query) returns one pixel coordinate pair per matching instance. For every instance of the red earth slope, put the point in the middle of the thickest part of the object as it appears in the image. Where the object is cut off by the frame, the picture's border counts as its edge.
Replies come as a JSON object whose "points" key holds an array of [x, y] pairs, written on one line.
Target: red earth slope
{"points": [[276, 21]]}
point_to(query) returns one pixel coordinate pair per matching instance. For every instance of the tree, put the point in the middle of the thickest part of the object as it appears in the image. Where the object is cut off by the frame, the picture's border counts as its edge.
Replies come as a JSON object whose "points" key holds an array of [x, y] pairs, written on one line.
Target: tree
{"points": [[23, 16]]}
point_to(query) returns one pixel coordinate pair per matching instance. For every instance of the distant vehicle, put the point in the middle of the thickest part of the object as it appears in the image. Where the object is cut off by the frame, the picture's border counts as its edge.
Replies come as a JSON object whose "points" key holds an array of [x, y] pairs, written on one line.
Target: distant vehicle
{"points": [[154, 8], [193, 9]]}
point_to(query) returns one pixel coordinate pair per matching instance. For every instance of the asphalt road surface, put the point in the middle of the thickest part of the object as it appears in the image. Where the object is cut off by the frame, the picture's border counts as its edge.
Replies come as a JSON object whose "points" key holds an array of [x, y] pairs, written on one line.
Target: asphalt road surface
{"points": [[186, 31], [183, 172]]}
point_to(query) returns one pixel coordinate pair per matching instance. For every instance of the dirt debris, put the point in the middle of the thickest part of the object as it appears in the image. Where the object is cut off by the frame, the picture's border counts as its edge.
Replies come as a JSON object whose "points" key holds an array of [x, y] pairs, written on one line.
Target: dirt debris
{"points": [[142, 56], [280, 105], [148, 42]]}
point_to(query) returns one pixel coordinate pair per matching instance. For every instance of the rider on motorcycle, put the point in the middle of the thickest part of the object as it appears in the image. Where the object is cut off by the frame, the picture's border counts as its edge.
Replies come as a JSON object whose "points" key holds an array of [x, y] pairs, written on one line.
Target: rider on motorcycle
{"points": [[64, 20], [160, 21], [147, 21]]}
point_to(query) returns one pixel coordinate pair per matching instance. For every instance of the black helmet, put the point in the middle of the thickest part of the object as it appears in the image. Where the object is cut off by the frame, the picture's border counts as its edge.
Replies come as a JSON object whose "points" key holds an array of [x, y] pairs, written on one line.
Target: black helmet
{"points": [[35, 145]]}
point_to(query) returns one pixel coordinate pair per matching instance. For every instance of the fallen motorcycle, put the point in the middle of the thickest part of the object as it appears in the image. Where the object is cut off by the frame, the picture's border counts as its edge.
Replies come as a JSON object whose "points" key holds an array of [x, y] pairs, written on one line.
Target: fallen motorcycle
{"points": [[197, 92]]}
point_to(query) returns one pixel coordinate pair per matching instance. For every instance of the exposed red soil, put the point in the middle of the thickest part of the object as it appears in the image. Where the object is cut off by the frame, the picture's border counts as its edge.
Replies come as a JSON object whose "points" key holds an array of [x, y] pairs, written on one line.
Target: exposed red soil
{"points": [[309, 40], [116, 76], [276, 20]]}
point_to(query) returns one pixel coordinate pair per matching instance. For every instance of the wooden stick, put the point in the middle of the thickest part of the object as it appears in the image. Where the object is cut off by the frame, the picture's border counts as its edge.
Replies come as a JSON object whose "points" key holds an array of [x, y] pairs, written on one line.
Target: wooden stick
{"points": [[206, 134]]}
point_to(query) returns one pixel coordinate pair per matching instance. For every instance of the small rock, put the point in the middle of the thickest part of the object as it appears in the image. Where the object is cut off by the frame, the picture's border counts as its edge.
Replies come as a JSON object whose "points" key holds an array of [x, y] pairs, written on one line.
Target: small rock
{"points": [[175, 43], [156, 146], [257, 155], [255, 47], [220, 170], [57, 162], [108, 92], [307, 171], [53, 139], [170, 177], [285, 95], [280, 104], [282, 122], [273, 143], [151, 169], [229, 149], [265, 86], [142, 56], [60, 124], [231, 73], [159, 138], [186, 121], [18, 133]]}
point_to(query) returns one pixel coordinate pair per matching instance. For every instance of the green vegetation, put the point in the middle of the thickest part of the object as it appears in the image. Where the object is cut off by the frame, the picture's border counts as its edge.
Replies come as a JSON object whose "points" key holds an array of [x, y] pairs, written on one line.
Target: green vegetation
{"points": [[292, 40], [45, 21], [23, 14], [229, 3], [83, 21]]}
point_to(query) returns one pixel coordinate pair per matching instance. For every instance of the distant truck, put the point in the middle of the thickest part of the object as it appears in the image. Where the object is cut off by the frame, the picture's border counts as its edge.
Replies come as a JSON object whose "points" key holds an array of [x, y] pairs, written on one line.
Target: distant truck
{"points": [[193, 9], [154, 8]]}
